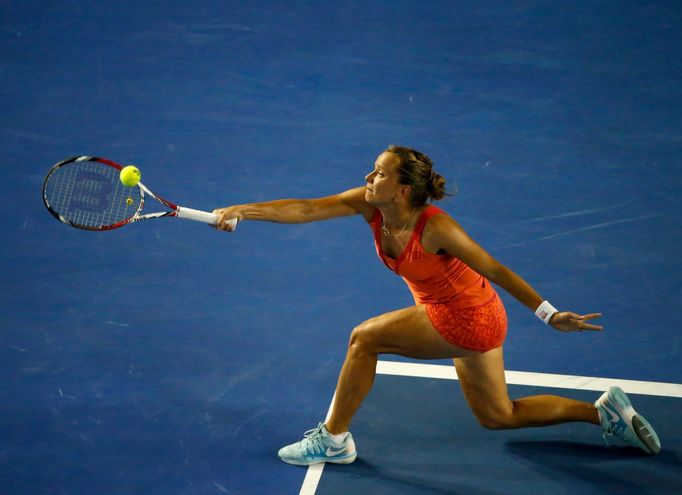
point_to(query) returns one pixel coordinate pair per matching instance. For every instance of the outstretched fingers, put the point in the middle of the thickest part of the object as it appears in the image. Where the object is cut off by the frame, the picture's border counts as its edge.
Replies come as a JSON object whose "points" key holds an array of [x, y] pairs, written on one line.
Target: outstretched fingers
{"points": [[567, 321], [581, 324]]}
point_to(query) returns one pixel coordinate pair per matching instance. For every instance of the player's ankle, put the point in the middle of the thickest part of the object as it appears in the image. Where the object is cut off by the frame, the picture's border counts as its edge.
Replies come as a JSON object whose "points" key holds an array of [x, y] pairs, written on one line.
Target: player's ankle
{"points": [[335, 431]]}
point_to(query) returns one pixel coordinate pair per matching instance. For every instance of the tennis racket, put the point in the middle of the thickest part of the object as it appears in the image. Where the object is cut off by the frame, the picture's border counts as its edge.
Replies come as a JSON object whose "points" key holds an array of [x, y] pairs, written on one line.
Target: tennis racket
{"points": [[86, 192]]}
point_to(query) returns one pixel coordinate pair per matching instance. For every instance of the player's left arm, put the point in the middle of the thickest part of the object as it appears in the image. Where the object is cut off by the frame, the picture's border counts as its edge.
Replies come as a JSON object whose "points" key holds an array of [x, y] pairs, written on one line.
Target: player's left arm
{"points": [[443, 233]]}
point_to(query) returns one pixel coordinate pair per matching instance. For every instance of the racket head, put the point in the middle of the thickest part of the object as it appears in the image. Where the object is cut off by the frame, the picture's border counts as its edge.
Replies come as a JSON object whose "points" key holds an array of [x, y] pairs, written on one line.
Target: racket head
{"points": [[85, 192]]}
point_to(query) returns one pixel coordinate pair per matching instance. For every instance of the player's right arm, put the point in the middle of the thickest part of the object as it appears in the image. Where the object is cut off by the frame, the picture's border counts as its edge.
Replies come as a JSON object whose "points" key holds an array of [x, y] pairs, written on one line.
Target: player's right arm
{"points": [[351, 202]]}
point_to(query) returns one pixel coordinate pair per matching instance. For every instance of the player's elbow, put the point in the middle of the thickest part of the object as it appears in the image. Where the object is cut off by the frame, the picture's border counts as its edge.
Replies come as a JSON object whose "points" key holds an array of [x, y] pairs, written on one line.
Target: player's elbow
{"points": [[493, 271]]}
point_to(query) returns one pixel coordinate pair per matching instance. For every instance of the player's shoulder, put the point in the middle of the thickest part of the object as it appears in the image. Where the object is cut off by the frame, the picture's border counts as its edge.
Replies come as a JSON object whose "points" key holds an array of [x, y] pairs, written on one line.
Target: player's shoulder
{"points": [[355, 198], [354, 194], [438, 219], [439, 225]]}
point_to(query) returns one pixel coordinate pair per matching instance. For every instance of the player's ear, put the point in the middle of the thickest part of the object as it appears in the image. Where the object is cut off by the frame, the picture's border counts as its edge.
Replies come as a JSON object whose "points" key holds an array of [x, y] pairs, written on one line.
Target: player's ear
{"points": [[405, 191]]}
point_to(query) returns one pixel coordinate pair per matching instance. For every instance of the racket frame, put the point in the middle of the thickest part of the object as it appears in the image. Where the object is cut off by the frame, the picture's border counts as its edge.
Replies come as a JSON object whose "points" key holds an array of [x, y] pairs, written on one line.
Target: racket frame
{"points": [[175, 210]]}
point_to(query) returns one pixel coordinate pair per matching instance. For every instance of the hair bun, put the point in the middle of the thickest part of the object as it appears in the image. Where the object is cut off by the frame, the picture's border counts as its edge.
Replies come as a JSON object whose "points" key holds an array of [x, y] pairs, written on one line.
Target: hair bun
{"points": [[436, 186]]}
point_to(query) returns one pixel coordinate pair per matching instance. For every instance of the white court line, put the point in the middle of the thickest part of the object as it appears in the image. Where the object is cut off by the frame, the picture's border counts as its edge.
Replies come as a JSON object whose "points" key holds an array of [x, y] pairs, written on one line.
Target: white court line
{"points": [[444, 372], [448, 372], [314, 473]]}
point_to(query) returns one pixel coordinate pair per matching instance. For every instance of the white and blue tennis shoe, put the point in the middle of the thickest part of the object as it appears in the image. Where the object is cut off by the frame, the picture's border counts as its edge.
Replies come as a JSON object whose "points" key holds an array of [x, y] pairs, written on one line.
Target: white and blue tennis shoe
{"points": [[318, 446], [622, 425]]}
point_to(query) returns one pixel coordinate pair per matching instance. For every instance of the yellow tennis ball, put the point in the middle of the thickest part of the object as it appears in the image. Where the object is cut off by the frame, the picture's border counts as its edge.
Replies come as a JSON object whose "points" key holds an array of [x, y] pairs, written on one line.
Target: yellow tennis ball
{"points": [[130, 176]]}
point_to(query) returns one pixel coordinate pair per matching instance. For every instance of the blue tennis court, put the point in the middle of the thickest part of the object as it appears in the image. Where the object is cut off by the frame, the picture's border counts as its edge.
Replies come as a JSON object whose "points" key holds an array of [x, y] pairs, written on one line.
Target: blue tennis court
{"points": [[167, 357]]}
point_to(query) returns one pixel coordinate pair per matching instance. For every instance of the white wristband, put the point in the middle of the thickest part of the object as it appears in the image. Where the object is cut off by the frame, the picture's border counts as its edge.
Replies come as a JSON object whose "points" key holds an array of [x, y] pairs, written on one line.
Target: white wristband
{"points": [[545, 311]]}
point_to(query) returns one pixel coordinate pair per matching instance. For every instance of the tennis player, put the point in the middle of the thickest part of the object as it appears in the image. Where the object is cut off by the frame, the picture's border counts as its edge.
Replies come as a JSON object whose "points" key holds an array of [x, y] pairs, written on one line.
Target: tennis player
{"points": [[457, 312]]}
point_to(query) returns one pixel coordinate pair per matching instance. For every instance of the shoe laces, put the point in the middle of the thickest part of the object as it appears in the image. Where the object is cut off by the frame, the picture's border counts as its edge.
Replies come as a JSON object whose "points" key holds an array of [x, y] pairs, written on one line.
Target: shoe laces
{"points": [[618, 433], [618, 429], [313, 441]]}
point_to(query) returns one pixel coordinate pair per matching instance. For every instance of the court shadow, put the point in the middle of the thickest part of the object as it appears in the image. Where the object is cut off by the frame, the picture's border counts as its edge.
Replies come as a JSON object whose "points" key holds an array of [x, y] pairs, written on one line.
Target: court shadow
{"points": [[614, 470], [368, 477]]}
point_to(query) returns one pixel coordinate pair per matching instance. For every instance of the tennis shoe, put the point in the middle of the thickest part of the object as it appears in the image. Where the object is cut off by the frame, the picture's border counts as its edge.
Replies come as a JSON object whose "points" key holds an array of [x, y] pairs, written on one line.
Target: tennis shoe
{"points": [[622, 425], [317, 446]]}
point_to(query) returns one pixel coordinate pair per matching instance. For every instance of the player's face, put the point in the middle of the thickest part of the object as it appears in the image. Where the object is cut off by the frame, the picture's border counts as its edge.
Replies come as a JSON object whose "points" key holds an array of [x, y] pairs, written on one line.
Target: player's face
{"points": [[382, 182]]}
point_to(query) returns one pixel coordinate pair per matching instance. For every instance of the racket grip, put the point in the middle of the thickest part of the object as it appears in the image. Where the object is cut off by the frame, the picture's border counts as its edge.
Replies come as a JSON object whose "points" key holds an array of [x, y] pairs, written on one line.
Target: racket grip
{"points": [[201, 216]]}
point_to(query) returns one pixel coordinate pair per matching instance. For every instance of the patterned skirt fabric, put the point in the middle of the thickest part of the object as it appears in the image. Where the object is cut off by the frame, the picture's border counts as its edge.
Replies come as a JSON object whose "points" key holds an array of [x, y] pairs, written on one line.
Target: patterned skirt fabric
{"points": [[479, 328]]}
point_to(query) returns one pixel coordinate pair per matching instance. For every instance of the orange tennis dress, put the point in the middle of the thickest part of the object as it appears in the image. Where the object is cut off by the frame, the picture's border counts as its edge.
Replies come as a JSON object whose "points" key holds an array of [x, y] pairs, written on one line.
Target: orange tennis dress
{"points": [[461, 304]]}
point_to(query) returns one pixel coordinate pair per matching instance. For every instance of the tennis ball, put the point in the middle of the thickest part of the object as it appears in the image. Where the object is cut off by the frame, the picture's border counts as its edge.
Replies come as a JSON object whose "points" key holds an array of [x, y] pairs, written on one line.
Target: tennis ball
{"points": [[130, 176]]}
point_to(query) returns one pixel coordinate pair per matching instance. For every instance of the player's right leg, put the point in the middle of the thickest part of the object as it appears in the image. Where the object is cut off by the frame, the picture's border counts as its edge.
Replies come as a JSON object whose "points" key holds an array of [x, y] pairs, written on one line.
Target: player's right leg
{"points": [[406, 332]]}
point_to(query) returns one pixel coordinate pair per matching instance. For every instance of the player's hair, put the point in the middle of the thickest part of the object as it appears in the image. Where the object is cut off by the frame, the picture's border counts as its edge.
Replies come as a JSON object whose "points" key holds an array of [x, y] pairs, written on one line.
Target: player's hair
{"points": [[416, 170]]}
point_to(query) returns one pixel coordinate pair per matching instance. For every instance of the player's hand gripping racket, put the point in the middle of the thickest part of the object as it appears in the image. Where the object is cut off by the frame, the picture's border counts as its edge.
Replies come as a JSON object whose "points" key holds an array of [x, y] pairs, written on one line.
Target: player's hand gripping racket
{"points": [[86, 192]]}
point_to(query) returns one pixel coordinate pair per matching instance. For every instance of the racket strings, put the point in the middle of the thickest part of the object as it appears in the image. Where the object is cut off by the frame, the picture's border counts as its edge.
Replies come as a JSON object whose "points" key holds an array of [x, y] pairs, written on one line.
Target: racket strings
{"points": [[89, 194]]}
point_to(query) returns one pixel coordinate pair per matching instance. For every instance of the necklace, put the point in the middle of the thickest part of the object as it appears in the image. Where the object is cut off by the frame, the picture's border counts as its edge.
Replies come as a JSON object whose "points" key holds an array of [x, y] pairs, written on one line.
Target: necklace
{"points": [[385, 230]]}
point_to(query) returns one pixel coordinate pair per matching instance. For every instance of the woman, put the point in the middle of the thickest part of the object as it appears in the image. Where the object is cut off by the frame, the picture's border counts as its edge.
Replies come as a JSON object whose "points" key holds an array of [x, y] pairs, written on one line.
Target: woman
{"points": [[457, 313]]}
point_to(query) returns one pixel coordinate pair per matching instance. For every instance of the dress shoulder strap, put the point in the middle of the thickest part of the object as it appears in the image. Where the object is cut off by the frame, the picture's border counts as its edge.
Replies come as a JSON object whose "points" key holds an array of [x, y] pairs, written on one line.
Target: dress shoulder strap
{"points": [[423, 218]]}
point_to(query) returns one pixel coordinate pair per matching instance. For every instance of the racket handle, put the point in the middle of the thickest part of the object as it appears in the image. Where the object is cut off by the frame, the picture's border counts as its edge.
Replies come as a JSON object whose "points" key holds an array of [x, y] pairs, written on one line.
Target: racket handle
{"points": [[201, 216]]}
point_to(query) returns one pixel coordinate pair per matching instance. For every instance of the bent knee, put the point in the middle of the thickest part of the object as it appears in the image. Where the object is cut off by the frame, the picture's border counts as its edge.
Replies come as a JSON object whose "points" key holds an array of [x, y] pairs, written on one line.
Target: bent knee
{"points": [[363, 338], [359, 338], [494, 423], [495, 420]]}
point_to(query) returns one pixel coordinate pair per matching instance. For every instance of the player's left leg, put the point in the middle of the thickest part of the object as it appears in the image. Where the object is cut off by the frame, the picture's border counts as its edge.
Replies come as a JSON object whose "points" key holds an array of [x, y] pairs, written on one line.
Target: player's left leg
{"points": [[483, 383], [481, 377]]}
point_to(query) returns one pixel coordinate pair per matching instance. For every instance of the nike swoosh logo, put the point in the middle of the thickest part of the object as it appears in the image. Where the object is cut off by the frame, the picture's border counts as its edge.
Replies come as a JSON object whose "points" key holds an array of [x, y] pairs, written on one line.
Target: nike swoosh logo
{"points": [[614, 418], [332, 451]]}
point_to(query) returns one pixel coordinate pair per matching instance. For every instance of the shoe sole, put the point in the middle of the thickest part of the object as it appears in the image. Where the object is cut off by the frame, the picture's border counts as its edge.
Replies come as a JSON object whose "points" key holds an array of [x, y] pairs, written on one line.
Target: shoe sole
{"points": [[341, 460], [644, 431], [646, 434]]}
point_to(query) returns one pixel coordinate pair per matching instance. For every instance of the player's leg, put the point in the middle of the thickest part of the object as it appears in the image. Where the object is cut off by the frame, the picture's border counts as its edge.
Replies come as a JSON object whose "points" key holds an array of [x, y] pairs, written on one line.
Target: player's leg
{"points": [[406, 332], [481, 377]]}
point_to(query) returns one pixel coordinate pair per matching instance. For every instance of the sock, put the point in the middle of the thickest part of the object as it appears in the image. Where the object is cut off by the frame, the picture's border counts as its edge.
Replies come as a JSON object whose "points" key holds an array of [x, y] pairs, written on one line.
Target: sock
{"points": [[339, 437], [603, 417]]}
